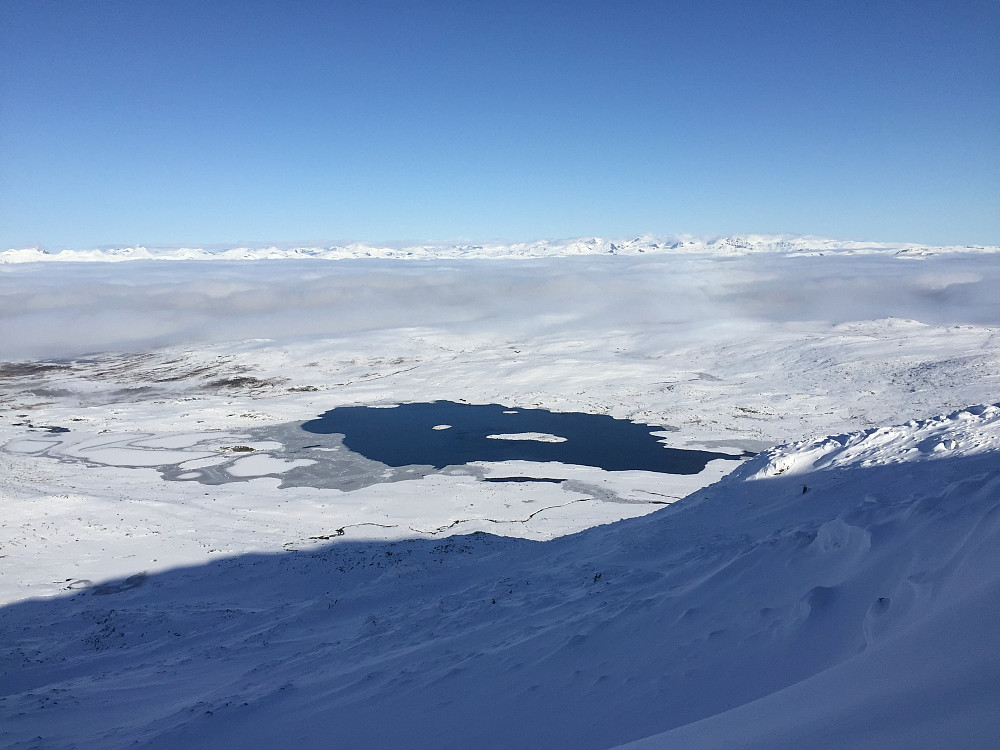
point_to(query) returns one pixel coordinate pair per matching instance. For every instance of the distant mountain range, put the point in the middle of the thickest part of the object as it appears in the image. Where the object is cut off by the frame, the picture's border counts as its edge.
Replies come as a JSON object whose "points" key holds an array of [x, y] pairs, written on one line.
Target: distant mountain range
{"points": [[742, 244]]}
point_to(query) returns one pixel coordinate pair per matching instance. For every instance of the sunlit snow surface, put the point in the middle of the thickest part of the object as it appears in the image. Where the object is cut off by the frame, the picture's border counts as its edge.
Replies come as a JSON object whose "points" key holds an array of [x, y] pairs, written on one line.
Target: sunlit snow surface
{"points": [[179, 568]]}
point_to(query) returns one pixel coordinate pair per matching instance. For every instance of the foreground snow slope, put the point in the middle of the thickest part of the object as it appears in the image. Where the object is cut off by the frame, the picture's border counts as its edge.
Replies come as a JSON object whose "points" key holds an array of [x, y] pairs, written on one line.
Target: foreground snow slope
{"points": [[833, 593]]}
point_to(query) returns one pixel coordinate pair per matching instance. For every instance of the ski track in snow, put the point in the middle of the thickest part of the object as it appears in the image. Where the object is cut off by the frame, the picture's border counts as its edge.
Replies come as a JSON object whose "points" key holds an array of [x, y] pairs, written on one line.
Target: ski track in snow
{"points": [[839, 589]]}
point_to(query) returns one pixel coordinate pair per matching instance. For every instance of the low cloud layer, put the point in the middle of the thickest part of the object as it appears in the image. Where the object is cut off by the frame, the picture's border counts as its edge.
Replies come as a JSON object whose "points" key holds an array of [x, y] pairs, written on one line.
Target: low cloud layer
{"points": [[68, 310]]}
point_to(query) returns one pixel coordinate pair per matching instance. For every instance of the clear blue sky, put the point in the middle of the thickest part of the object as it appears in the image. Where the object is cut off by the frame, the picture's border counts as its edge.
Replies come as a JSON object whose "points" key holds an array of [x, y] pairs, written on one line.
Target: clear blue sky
{"points": [[125, 122]]}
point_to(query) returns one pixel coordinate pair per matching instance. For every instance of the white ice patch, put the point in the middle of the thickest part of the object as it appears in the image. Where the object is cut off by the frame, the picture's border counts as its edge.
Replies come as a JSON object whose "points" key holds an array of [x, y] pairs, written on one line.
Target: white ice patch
{"points": [[538, 437], [191, 450], [116, 451], [30, 445], [255, 466], [201, 463], [170, 442]]}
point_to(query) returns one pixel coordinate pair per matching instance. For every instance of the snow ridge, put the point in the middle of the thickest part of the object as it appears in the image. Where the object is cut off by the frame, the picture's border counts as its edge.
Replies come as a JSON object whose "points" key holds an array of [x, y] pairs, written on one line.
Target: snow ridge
{"points": [[970, 431]]}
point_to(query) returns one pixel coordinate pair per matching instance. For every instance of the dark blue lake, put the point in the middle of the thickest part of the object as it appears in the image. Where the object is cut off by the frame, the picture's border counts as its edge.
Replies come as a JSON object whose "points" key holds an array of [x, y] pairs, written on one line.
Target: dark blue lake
{"points": [[405, 435]]}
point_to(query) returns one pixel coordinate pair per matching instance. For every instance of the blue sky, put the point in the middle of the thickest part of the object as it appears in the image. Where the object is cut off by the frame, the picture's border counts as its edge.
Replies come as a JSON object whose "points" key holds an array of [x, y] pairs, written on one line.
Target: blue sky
{"points": [[250, 122]]}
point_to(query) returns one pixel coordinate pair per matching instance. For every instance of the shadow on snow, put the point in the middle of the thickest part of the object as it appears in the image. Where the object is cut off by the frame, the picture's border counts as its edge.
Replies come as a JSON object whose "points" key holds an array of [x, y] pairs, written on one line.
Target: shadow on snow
{"points": [[587, 641]]}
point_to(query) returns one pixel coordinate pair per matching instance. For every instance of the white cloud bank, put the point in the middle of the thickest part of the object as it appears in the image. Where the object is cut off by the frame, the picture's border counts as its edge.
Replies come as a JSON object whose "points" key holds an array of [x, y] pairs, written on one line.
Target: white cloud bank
{"points": [[58, 310]]}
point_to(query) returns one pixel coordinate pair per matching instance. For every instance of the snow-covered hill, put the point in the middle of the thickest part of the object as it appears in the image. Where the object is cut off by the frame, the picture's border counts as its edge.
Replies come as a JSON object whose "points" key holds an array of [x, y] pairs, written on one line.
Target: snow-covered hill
{"points": [[645, 244], [833, 593]]}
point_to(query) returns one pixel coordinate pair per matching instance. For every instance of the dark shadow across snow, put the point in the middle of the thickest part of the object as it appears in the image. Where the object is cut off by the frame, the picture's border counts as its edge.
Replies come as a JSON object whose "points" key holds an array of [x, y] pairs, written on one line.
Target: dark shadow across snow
{"points": [[742, 591]]}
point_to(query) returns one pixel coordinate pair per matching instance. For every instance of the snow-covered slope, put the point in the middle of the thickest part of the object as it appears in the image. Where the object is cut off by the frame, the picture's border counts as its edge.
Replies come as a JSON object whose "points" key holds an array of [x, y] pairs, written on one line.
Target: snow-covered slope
{"points": [[160, 586], [644, 244], [832, 593]]}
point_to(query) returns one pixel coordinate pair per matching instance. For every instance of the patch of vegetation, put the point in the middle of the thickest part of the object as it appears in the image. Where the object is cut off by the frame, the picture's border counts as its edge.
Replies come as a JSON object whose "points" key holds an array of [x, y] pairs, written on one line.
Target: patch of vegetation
{"points": [[29, 369], [245, 382]]}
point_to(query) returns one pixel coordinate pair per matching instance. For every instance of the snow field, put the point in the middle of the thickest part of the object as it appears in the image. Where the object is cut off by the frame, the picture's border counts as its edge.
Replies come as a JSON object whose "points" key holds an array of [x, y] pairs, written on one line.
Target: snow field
{"points": [[750, 613], [837, 590]]}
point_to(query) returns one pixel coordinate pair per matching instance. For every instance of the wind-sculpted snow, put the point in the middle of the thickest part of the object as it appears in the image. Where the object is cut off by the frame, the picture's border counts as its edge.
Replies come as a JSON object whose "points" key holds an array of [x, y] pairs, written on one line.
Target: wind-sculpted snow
{"points": [[966, 432], [838, 593]]}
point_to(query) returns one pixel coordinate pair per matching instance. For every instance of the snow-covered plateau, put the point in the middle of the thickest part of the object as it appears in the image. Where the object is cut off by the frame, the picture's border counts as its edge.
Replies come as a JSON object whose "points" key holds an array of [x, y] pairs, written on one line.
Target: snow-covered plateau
{"points": [[186, 559]]}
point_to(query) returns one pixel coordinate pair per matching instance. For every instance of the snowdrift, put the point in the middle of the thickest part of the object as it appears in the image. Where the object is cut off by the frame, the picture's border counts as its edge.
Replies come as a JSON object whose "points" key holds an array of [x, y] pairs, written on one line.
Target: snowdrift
{"points": [[834, 593]]}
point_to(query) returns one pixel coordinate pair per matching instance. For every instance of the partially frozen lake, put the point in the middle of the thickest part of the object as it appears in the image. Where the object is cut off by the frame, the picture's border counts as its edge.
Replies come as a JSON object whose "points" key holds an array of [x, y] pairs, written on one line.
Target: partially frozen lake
{"points": [[415, 467], [445, 433], [351, 447]]}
